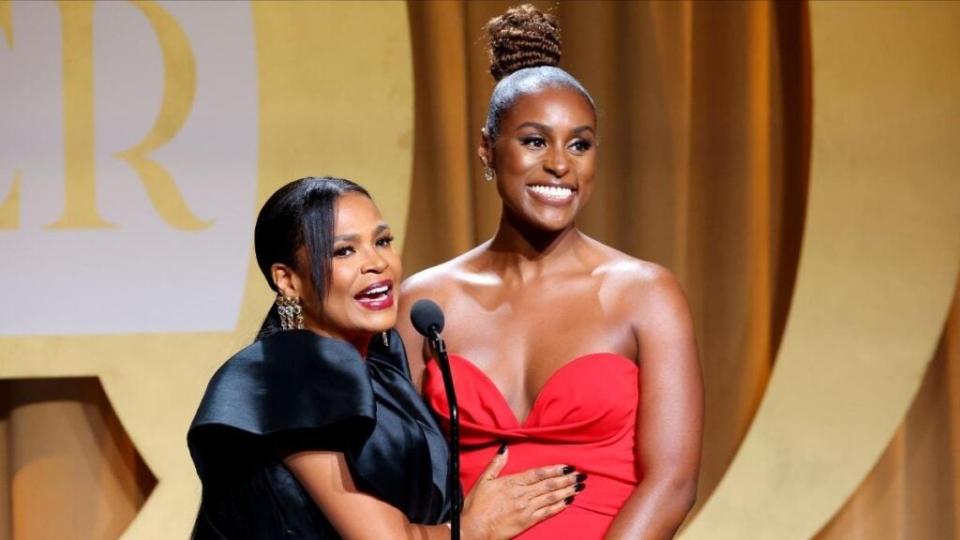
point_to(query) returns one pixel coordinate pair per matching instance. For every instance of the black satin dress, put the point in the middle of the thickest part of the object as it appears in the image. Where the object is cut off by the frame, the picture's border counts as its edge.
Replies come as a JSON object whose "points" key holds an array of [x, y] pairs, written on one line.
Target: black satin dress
{"points": [[296, 391]]}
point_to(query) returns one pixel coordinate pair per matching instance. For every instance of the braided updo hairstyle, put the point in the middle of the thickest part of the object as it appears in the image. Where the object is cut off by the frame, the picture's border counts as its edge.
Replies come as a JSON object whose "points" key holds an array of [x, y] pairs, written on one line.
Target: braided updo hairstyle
{"points": [[525, 50]]}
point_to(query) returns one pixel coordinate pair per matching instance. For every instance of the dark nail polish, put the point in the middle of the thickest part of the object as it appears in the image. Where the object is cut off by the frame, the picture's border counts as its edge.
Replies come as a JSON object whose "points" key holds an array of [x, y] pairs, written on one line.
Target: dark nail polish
{"points": [[503, 448], [567, 469], [581, 477], [568, 500], [579, 486]]}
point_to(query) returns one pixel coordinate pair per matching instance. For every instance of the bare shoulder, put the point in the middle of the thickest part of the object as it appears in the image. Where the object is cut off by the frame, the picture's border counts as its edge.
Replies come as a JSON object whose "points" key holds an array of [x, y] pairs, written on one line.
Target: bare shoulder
{"points": [[644, 290], [440, 282], [630, 274], [428, 282]]}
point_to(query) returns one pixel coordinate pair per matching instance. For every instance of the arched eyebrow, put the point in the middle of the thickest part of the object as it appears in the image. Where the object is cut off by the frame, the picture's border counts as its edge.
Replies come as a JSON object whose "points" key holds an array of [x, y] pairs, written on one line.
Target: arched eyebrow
{"points": [[356, 237], [543, 127]]}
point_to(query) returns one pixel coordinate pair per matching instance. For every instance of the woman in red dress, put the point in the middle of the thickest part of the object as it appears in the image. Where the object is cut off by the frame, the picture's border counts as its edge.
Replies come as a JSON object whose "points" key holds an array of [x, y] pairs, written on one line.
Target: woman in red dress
{"points": [[567, 350]]}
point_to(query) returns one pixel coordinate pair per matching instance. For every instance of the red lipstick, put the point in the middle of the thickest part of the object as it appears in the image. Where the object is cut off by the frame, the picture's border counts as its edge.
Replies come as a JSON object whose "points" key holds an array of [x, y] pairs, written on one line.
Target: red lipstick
{"points": [[377, 296]]}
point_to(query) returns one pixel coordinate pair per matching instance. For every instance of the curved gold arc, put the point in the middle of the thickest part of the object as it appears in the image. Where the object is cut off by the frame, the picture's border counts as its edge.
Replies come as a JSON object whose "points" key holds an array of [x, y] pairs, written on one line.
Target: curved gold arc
{"points": [[335, 87], [335, 84], [179, 91], [6, 21], [880, 258]]}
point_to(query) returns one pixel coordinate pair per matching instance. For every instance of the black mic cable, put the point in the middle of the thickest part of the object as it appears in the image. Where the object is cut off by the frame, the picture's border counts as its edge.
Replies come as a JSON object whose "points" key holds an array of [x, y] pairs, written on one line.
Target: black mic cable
{"points": [[427, 318]]}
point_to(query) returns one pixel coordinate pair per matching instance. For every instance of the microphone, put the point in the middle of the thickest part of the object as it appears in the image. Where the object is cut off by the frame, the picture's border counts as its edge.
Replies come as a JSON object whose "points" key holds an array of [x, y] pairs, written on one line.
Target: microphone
{"points": [[427, 319]]}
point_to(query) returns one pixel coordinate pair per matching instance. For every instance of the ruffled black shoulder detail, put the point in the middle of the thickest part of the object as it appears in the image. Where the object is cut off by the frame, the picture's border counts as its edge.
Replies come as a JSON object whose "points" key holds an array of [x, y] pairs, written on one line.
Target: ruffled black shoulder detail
{"points": [[292, 390], [391, 375]]}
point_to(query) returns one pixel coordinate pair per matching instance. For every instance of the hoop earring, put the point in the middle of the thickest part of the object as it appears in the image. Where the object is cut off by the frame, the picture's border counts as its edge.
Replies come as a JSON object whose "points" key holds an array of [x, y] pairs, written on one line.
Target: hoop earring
{"points": [[291, 314], [489, 174]]}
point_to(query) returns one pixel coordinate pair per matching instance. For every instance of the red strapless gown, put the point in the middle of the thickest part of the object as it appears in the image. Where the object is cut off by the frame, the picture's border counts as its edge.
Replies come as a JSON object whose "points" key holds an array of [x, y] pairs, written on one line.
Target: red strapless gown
{"points": [[585, 416]]}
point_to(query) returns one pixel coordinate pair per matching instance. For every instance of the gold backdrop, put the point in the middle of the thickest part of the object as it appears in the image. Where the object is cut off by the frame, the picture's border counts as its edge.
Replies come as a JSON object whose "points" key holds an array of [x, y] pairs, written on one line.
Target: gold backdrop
{"points": [[710, 117]]}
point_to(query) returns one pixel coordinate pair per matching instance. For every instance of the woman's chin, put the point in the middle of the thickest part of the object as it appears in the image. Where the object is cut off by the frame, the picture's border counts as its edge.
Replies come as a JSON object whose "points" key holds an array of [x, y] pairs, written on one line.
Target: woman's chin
{"points": [[551, 224], [378, 322], [549, 219]]}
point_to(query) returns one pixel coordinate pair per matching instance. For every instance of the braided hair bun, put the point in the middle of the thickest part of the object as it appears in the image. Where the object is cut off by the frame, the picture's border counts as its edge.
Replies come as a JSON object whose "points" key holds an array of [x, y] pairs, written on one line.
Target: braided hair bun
{"points": [[522, 37], [524, 58]]}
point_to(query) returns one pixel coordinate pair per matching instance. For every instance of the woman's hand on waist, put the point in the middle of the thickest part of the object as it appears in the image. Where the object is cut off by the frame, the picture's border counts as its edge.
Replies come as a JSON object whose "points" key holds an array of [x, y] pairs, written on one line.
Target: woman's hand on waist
{"points": [[500, 507]]}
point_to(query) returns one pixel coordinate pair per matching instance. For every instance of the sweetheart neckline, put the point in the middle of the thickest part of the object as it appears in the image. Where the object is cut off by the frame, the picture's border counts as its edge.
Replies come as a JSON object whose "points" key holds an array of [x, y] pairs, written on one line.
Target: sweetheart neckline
{"points": [[536, 400]]}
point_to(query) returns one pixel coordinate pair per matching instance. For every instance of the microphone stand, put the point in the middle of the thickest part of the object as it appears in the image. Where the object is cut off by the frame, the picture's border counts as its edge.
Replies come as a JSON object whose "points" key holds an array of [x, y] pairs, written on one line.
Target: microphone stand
{"points": [[453, 478]]}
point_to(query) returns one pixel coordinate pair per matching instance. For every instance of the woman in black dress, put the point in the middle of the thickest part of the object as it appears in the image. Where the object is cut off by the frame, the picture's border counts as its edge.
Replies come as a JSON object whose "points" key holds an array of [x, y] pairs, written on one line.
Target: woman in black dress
{"points": [[314, 430]]}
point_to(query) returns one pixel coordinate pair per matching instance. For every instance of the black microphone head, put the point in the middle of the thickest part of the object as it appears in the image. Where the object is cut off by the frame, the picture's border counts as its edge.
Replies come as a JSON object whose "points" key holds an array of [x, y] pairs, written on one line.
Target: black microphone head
{"points": [[426, 315]]}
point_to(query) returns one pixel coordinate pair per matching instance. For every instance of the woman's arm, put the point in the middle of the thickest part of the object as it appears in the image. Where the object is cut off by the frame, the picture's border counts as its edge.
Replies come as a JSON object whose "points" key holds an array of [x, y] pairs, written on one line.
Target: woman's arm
{"points": [[670, 416], [419, 286], [496, 508], [354, 514]]}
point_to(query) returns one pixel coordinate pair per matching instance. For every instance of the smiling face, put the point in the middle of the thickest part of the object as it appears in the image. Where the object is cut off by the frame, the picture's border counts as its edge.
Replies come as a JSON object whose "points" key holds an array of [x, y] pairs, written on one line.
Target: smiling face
{"points": [[364, 272], [545, 157]]}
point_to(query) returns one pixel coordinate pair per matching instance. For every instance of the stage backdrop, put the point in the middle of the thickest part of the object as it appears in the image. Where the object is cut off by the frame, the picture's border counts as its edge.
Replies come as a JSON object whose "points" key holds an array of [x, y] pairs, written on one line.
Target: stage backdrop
{"points": [[794, 166], [138, 141]]}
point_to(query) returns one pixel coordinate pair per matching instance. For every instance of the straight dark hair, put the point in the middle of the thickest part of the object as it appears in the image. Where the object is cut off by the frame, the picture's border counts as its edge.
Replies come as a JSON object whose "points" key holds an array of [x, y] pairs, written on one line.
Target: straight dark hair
{"points": [[300, 214]]}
